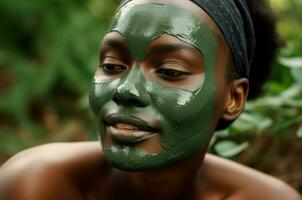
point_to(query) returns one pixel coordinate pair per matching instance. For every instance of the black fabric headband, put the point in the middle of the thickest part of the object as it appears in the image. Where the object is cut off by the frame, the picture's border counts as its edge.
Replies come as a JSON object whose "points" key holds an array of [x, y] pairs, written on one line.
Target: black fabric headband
{"points": [[234, 21]]}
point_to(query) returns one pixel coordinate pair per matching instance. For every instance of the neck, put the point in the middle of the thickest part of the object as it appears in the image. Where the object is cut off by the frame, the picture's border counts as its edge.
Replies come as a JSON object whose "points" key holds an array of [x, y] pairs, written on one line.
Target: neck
{"points": [[173, 182]]}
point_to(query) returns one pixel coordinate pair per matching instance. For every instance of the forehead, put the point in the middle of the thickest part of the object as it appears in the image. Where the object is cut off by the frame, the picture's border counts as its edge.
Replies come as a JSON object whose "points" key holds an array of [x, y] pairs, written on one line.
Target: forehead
{"points": [[141, 23], [190, 7]]}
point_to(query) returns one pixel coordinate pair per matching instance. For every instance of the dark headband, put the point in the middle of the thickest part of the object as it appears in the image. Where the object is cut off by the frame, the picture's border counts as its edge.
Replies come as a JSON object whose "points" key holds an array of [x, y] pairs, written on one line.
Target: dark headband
{"points": [[234, 21]]}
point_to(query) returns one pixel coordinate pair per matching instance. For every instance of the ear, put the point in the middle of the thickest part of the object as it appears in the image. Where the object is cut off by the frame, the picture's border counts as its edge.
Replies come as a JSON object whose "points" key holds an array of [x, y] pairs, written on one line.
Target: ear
{"points": [[235, 100]]}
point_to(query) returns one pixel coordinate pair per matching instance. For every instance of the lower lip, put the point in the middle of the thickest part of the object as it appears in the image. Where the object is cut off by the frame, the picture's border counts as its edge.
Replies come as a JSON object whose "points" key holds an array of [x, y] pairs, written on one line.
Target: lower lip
{"points": [[129, 136]]}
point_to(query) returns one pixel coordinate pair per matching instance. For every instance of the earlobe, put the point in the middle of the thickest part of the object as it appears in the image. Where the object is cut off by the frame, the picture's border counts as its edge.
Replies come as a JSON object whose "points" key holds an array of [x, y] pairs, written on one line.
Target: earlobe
{"points": [[236, 98]]}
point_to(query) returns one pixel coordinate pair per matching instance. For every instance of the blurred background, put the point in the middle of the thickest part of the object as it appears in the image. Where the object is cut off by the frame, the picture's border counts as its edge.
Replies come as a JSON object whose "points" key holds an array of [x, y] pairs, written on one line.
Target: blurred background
{"points": [[49, 52]]}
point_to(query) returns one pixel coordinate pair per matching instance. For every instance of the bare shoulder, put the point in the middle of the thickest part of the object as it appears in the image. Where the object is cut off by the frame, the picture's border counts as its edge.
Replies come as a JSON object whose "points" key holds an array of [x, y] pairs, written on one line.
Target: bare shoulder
{"points": [[245, 183], [47, 171]]}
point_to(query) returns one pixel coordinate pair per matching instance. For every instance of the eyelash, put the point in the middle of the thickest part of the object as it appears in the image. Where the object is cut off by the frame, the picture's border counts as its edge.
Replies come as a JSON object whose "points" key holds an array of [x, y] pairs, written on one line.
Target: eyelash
{"points": [[165, 73], [171, 74], [113, 69]]}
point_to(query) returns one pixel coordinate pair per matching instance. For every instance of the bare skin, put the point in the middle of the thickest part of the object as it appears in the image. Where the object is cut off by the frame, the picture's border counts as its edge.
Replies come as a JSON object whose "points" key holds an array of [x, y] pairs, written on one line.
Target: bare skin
{"points": [[79, 171]]}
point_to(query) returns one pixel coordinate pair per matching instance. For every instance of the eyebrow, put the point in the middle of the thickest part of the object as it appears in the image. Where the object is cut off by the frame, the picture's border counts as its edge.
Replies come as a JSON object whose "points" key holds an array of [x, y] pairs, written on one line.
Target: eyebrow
{"points": [[120, 45], [116, 44]]}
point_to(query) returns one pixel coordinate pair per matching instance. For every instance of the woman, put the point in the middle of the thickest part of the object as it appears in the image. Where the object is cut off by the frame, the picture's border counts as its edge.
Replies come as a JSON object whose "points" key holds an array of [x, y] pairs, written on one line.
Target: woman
{"points": [[171, 73]]}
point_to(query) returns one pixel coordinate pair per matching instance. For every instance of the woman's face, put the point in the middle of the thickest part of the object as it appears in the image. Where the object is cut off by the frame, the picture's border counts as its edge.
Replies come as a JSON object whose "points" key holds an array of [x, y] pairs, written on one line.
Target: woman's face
{"points": [[156, 91]]}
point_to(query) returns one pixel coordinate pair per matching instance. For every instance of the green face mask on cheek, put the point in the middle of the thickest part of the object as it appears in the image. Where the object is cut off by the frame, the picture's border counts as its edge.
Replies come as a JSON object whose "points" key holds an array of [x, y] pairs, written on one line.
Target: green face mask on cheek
{"points": [[184, 117]]}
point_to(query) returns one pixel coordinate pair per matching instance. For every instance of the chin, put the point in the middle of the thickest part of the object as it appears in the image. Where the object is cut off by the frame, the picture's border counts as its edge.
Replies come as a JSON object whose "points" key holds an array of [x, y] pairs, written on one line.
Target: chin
{"points": [[133, 159]]}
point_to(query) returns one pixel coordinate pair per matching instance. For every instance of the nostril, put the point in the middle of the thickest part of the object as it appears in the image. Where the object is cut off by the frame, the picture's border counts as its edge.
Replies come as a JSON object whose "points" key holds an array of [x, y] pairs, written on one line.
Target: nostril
{"points": [[128, 102], [129, 95], [136, 102], [116, 100]]}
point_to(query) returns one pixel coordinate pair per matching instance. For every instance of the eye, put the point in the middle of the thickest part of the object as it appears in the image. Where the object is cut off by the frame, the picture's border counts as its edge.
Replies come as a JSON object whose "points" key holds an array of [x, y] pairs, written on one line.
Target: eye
{"points": [[113, 69], [171, 74]]}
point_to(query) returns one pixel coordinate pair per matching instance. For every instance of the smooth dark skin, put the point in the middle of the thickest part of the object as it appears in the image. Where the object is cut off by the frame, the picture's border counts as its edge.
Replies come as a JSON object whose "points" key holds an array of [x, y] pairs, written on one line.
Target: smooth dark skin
{"points": [[80, 171]]}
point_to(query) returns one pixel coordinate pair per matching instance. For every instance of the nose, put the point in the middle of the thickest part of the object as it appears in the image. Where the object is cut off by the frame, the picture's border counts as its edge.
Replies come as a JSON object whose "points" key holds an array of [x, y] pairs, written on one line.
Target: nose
{"points": [[131, 90]]}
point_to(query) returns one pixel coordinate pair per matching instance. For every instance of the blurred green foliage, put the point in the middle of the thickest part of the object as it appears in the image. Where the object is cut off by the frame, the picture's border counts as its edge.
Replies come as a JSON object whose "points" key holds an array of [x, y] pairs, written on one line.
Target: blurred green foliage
{"points": [[49, 51]]}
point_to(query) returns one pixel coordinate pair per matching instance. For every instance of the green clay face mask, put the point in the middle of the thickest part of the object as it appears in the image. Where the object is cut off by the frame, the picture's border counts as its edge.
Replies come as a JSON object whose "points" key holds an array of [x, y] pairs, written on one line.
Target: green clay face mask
{"points": [[184, 116]]}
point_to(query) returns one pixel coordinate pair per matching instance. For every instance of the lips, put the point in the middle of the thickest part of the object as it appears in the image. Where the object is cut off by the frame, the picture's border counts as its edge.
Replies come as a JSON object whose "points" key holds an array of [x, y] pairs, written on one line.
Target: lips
{"points": [[129, 129]]}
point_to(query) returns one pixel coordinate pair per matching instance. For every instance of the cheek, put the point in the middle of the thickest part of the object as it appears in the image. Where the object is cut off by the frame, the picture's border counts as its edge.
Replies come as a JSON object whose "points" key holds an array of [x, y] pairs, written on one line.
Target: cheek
{"points": [[185, 116], [185, 122], [220, 101], [100, 93], [180, 106], [223, 64], [172, 104]]}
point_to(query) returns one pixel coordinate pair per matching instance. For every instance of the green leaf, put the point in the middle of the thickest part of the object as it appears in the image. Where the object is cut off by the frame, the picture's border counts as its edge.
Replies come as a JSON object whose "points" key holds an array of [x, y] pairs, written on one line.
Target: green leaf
{"points": [[228, 148], [291, 62], [251, 122], [297, 75], [287, 124], [299, 132]]}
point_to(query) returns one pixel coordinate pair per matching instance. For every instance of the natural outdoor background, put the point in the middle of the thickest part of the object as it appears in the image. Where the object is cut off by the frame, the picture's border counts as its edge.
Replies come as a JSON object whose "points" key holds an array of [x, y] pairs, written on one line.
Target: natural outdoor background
{"points": [[49, 51]]}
